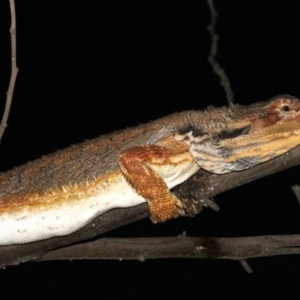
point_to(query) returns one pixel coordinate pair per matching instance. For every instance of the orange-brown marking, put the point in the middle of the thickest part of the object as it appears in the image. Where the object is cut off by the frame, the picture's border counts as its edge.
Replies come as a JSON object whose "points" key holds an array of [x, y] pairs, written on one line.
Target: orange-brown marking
{"points": [[57, 196]]}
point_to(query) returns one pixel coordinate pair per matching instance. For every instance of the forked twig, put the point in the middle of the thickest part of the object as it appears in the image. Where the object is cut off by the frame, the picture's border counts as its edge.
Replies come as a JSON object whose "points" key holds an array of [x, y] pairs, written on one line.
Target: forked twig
{"points": [[213, 53]]}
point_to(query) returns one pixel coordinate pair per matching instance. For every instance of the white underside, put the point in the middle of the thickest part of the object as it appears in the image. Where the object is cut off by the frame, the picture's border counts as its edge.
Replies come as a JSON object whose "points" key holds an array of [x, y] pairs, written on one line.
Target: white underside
{"points": [[26, 226]]}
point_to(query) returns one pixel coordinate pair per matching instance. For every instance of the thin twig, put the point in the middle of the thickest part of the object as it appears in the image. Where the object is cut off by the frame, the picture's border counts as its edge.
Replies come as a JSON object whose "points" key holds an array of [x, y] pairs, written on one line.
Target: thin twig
{"points": [[213, 53], [296, 190], [14, 68], [246, 266]]}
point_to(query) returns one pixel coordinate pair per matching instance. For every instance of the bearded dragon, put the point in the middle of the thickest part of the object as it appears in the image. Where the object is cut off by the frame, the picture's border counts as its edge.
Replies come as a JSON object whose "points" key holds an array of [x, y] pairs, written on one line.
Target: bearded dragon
{"points": [[60, 193]]}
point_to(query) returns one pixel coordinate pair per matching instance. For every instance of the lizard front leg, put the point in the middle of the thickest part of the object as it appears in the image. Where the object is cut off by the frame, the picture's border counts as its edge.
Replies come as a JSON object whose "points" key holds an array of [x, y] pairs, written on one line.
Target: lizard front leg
{"points": [[149, 168]]}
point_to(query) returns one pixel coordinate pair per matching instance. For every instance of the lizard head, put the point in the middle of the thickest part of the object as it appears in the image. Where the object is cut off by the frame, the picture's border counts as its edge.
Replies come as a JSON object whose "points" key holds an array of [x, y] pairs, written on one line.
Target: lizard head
{"points": [[252, 135], [279, 112]]}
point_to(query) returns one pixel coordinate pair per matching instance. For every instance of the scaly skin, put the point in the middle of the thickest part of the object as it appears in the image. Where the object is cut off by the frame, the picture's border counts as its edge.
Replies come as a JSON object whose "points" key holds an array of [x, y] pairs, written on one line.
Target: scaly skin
{"points": [[60, 193]]}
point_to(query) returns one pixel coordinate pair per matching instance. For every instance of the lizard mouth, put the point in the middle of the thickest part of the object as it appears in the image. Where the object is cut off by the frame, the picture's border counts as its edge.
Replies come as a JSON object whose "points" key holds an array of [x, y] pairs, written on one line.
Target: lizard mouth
{"points": [[224, 135]]}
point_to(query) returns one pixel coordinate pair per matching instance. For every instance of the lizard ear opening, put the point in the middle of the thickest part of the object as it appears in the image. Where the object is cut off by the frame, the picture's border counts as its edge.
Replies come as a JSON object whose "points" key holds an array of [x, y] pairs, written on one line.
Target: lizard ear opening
{"points": [[224, 135]]}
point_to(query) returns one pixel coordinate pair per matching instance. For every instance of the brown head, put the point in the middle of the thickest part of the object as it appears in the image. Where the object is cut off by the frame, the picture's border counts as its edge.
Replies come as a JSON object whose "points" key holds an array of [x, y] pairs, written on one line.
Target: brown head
{"points": [[252, 135]]}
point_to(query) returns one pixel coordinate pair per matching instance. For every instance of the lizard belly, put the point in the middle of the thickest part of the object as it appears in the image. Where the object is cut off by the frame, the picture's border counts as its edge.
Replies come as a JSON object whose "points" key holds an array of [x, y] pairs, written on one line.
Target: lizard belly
{"points": [[64, 216]]}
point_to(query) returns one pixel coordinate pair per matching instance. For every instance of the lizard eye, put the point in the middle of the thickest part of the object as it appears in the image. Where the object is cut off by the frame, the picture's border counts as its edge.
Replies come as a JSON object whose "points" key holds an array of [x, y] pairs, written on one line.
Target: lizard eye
{"points": [[286, 111], [286, 108]]}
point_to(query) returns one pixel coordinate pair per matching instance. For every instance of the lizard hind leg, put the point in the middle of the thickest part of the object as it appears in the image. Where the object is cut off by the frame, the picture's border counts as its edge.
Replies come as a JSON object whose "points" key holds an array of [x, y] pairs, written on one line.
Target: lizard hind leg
{"points": [[135, 164]]}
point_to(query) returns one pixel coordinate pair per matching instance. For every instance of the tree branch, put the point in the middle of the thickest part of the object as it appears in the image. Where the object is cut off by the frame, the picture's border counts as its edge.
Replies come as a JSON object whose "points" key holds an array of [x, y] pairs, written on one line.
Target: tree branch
{"points": [[240, 248]]}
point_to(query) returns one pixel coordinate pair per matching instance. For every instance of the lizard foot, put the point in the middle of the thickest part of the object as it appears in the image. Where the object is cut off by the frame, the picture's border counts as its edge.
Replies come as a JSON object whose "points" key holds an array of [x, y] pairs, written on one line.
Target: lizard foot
{"points": [[162, 211]]}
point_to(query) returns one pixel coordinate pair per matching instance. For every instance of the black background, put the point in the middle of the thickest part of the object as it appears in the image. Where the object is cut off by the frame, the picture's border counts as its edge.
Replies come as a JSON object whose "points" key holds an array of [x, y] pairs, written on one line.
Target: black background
{"points": [[91, 67]]}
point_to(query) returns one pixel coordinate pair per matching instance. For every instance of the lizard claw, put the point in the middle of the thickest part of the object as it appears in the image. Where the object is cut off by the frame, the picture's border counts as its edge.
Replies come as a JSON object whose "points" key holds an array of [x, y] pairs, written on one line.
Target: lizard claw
{"points": [[166, 210]]}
